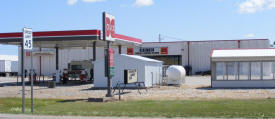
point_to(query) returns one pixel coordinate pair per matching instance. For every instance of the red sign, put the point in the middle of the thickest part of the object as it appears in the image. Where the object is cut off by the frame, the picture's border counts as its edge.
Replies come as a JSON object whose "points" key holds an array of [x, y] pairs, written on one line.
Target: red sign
{"points": [[130, 51], [28, 54], [164, 51], [111, 57], [109, 29]]}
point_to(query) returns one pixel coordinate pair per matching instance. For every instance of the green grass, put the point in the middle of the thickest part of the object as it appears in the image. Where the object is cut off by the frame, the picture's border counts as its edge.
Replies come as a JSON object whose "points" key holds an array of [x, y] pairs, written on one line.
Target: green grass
{"points": [[175, 108]]}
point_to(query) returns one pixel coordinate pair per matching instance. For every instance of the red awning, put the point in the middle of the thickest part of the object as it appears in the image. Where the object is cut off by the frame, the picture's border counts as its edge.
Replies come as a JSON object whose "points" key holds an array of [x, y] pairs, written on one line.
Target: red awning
{"points": [[76, 38]]}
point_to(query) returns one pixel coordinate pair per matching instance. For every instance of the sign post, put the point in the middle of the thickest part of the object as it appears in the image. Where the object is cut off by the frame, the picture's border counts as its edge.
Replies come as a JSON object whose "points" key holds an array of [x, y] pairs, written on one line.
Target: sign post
{"points": [[108, 35], [27, 44]]}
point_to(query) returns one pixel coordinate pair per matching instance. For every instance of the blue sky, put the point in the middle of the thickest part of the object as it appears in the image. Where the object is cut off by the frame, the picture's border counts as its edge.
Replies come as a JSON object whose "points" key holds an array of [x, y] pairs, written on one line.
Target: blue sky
{"points": [[145, 19]]}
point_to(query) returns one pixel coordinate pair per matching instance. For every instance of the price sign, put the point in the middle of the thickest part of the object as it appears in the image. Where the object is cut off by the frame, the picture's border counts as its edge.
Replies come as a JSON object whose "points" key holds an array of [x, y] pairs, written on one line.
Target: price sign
{"points": [[111, 62], [27, 39]]}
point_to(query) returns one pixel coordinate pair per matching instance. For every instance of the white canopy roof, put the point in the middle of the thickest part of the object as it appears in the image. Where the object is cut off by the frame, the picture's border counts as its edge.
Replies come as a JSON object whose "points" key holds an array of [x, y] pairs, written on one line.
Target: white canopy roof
{"points": [[141, 58], [9, 57], [243, 55]]}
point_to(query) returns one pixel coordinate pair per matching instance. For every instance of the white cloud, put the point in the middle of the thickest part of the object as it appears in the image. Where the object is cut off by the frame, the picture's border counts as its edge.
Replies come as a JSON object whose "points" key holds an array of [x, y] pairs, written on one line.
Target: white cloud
{"points": [[252, 6], [141, 3], [71, 2], [251, 35]]}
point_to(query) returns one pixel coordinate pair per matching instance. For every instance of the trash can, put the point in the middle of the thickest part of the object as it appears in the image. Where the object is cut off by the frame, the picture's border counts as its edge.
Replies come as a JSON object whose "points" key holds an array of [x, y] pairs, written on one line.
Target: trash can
{"points": [[51, 84]]}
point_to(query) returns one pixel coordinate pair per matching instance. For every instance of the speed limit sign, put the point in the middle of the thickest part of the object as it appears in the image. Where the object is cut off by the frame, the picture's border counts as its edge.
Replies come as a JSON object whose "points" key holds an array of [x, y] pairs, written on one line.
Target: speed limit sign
{"points": [[27, 39]]}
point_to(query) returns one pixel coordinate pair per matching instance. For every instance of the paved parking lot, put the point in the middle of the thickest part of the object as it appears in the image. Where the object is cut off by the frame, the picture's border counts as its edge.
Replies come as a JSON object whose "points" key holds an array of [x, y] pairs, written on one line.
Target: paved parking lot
{"points": [[196, 87]]}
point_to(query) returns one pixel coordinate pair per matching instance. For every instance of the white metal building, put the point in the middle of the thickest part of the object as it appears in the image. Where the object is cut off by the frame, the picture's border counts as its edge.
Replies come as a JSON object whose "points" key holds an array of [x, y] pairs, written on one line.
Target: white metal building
{"points": [[192, 53], [8, 64], [149, 71], [243, 68]]}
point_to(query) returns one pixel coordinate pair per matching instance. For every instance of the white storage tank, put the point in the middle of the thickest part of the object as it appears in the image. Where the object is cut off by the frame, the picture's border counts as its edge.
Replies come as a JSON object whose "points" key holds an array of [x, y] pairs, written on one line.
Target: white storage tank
{"points": [[175, 75]]}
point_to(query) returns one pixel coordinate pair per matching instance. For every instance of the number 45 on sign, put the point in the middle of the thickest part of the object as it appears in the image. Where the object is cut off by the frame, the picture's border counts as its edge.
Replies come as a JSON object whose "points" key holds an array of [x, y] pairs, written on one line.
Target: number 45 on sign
{"points": [[27, 39]]}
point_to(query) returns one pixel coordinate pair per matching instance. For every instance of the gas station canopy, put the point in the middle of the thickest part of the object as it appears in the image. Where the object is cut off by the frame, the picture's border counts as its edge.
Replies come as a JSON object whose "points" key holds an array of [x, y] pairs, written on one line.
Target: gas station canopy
{"points": [[63, 39]]}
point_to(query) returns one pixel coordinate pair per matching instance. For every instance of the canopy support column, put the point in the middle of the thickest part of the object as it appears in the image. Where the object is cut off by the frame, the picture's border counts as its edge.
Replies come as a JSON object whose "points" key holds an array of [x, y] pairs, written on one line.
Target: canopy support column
{"points": [[57, 78], [94, 51], [119, 49]]}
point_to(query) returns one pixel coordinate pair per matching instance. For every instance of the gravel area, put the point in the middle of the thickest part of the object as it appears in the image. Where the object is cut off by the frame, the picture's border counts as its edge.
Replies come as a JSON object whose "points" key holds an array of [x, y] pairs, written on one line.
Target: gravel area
{"points": [[195, 87]]}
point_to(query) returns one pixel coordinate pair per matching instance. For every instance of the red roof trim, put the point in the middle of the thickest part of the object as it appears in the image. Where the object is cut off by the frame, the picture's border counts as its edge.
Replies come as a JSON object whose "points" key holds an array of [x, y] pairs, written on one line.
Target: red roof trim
{"points": [[128, 38], [10, 35], [52, 33], [66, 33]]}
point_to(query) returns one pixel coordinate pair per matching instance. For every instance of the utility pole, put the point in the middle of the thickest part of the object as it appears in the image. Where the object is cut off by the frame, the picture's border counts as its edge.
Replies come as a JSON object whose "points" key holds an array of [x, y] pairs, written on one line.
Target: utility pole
{"points": [[159, 38]]}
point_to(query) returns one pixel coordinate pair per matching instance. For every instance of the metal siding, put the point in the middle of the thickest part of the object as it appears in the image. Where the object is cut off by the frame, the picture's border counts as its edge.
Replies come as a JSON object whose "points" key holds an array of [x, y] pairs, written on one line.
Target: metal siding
{"points": [[121, 63], [48, 65], [255, 44], [200, 53], [6, 63], [157, 74], [7, 66], [76, 54], [35, 63], [2, 65], [14, 66], [184, 54], [99, 77]]}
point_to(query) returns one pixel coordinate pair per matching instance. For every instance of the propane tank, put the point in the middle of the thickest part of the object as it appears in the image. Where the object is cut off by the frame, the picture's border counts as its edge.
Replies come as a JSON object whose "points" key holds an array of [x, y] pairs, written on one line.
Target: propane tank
{"points": [[175, 75]]}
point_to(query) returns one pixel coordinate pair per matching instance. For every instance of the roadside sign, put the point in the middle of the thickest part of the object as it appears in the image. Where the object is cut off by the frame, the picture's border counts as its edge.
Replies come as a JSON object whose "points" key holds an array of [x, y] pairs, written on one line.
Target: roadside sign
{"points": [[27, 39], [108, 27], [27, 44], [109, 36]]}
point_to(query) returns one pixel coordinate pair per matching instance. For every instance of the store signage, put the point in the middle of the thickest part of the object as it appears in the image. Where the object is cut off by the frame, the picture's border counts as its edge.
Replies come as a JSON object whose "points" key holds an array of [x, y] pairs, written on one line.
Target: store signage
{"points": [[27, 39], [108, 27], [130, 76], [28, 53], [111, 62], [148, 51], [130, 51]]}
